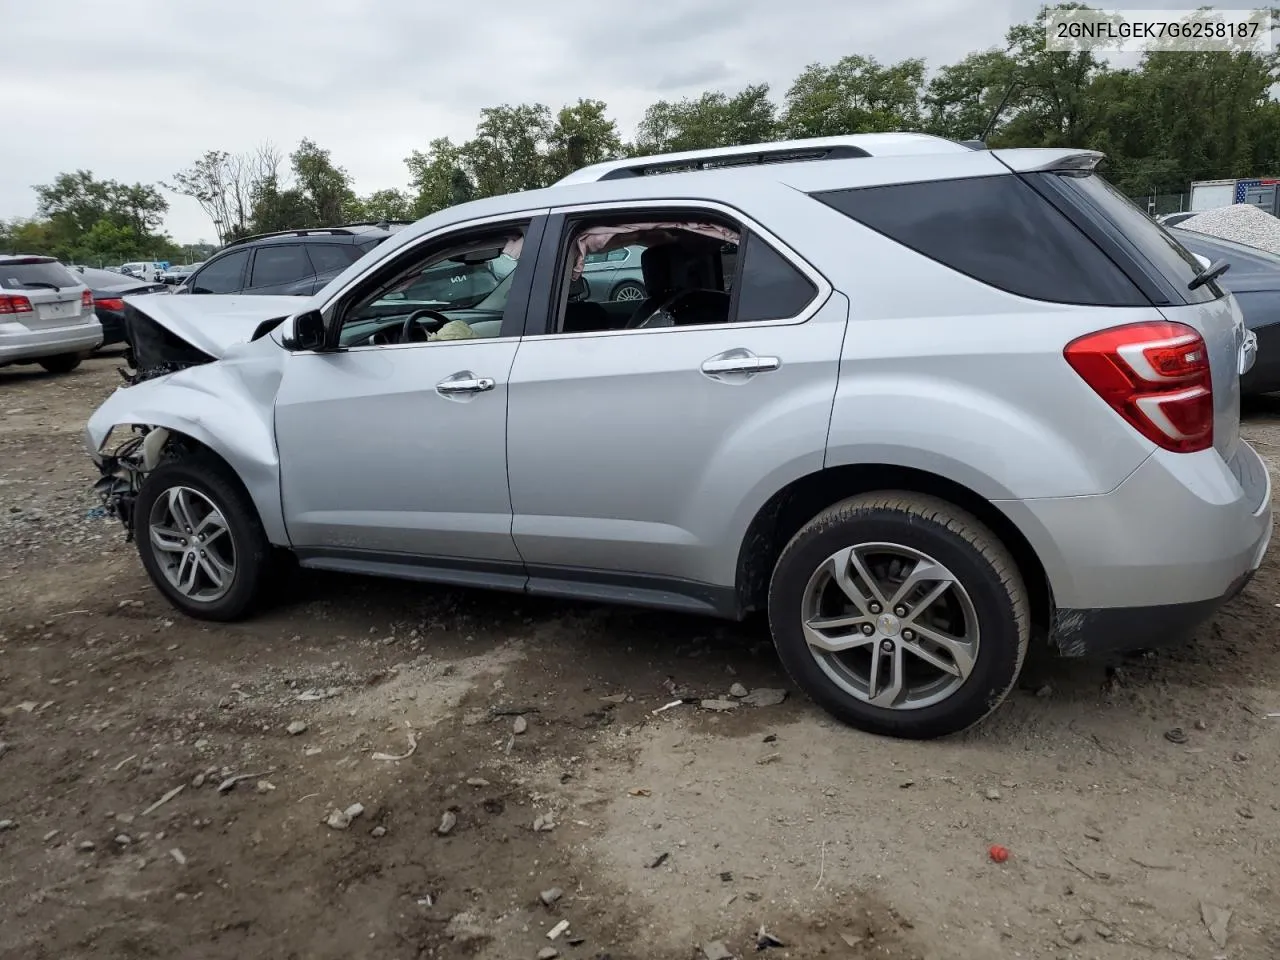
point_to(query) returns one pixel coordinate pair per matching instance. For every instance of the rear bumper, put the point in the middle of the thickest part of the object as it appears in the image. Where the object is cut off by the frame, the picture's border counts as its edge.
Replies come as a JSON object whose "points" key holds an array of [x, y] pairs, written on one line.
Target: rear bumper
{"points": [[1145, 564], [17, 343]]}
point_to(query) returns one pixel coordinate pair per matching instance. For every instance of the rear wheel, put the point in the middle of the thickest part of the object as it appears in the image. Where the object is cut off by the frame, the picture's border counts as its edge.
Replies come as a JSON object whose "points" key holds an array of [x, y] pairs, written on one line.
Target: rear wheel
{"points": [[900, 614], [200, 538], [62, 363], [629, 291]]}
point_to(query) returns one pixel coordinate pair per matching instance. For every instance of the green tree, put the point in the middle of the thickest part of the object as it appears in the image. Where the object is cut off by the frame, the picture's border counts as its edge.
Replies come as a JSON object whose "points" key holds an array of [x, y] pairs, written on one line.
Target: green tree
{"points": [[387, 205], [963, 98], [325, 185], [437, 178], [581, 135], [507, 153], [856, 94], [712, 120]]}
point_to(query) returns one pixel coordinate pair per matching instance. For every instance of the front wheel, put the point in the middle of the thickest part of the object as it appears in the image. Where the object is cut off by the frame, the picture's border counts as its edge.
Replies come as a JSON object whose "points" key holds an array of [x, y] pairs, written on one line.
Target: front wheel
{"points": [[628, 291], [200, 539], [900, 614]]}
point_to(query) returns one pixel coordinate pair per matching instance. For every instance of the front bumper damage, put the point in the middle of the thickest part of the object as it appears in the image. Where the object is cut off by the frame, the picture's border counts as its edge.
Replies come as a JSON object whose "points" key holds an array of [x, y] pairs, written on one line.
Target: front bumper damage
{"points": [[123, 469]]}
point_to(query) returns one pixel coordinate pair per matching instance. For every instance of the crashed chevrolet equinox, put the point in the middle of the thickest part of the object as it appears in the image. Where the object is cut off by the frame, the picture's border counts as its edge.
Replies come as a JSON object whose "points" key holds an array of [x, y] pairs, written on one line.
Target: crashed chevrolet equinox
{"points": [[923, 403]]}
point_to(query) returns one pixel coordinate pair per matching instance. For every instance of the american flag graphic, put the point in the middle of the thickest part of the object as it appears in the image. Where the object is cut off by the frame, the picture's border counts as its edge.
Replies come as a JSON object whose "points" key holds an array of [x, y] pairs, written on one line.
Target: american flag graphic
{"points": [[1244, 186]]}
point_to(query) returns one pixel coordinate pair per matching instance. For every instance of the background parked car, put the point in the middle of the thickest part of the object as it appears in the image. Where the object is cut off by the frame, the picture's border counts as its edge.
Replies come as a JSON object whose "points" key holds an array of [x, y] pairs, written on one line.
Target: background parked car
{"points": [[175, 275], [1254, 278], [288, 263], [1173, 219], [109, 290], [615, 274], [145, 269], [46, 314]]}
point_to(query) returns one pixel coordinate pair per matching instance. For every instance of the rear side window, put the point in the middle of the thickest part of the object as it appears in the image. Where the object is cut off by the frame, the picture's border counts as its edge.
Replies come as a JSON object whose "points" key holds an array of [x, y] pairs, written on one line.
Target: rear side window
{"points": [[333, 257], [27, 275], [997, 230], [286, 263], [771, 287], [1165, 258]]}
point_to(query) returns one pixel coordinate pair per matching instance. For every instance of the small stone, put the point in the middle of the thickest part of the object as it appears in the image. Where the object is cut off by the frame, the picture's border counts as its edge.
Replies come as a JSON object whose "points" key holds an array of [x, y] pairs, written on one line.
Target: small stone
{"points": [[465, 928], [179, 857], [1105, 932], [738, 691], [87, 846], [4, 748], [993, 793], [338, 820], [906, 784], [8, 825], [549, 897], [1201, 725], [447, 822], [544, 823], [1074, 935], [265, 786], [719, 706], [770, 738], [716, 950], [378, 833], [1240, 757], [123, 839], [765, 697], [548, 953], [202, 744], [615, 698], [197, 781], [296, 728], [50, 835], [520, 726], [477, 782], [312, 751], [1045, 691]]}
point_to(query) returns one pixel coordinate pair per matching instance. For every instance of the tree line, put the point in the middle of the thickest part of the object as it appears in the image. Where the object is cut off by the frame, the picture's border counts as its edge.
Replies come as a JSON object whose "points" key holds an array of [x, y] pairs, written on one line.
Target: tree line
{"points": [[1173, 118]]}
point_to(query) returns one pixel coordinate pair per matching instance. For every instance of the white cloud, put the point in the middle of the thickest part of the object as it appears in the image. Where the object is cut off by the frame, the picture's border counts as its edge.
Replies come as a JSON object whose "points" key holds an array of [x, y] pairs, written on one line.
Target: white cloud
{"points": [[137, 89]]}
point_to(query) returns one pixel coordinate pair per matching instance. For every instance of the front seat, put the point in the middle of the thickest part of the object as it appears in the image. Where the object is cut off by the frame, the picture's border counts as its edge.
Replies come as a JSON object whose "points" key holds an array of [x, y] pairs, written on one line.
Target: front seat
{"points": [[668, 268]]}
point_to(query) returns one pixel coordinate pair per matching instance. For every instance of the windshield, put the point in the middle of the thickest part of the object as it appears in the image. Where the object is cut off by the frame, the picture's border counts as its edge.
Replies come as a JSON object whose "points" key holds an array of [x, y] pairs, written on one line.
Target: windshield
{"points": [[453, 286]]}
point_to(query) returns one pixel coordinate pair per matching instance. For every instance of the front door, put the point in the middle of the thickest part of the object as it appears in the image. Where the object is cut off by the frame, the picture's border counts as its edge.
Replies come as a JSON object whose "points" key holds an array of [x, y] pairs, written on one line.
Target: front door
{"points": [[638, 448], [393, 447]]}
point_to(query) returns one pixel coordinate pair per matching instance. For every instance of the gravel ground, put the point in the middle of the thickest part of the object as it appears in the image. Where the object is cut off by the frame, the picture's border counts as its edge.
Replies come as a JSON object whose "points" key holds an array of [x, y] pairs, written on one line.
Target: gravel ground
{"points": [[1241, 222], [512, 776]]}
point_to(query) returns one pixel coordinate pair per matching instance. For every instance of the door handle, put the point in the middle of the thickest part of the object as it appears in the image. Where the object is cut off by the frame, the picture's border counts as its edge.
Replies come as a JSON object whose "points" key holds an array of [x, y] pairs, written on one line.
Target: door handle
{"points": [[465, 384], [740, 362]]}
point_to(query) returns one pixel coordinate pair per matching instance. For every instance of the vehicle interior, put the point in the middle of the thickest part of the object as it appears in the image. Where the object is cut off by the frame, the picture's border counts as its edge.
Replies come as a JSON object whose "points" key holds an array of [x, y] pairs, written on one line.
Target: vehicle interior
{"points": [[688, 269]]}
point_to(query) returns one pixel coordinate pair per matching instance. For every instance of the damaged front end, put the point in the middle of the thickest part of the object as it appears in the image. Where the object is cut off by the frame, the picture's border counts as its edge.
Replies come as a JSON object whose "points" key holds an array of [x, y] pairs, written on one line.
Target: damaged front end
{"points": [[123, 469], [153, 350]]}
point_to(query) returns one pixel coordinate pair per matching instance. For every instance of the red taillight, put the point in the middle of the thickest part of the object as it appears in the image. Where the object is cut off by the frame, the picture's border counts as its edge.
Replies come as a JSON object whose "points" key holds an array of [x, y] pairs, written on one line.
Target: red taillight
{"points": [[86, 299], [1156, 376], [110, 303], [10, 304]]}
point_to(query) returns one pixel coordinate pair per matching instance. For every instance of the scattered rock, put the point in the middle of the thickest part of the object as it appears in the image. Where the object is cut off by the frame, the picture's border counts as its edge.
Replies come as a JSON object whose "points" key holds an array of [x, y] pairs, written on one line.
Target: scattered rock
{"points": [[1201, 725], [615, 698], [448, 821], [519, 726], [550, 897], [558, 929], [1074, 935], [544, 822], [548, 953], [1045, 691], [341, 819], [716, 950], [466, 927], [477, 782], [4, 748], [50, 835], [765, 697], [765, 939], [123, 839], [719, 705], [378, 832], [197, 781], [1105, 932], [179, 857], [658, 861], [992, 793], [8, 825], [1240, 757], [296, 728], [1216, 920], [265, 786], [1176, 735], [907, 783], [738, 690], [87, 846], [312, 751]]}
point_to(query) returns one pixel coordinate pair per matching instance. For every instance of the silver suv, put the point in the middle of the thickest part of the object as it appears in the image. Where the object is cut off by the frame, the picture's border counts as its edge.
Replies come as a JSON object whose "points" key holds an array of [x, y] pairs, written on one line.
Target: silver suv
{"points": [[923, 404], [46, 314]]}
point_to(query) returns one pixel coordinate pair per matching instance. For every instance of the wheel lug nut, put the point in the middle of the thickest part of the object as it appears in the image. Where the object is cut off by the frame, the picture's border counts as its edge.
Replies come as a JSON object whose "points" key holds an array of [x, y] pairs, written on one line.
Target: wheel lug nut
{"points": [[886, 646], [868, 629], [875, 608], [900, 611], [908, 635]]}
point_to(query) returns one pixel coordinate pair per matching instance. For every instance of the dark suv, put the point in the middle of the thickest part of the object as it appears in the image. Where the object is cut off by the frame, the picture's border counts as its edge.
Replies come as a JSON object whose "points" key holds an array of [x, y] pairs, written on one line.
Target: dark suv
{"points": [[288, 263]]}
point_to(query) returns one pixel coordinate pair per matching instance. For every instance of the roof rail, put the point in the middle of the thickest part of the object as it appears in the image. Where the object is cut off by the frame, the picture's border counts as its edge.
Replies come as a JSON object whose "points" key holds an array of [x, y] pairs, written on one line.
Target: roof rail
{"points": [[345, 229], [752, 154]]}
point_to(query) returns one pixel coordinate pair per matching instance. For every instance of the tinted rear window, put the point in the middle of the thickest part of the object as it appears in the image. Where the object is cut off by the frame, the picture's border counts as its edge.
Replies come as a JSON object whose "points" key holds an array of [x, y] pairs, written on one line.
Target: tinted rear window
{"points": [[997, 230], [772, 288], [20, 276], [333, 257], [1167, 258]]}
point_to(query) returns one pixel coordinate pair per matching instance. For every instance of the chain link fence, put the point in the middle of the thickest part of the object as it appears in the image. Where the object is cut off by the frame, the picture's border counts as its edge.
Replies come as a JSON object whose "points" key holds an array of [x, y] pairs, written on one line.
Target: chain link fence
{"points": [[1158, 204]]}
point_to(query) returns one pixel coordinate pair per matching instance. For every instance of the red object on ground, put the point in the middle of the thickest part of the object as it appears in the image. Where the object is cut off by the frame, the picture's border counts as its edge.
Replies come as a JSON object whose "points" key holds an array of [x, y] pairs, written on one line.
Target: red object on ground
{"points": [[998, 853]]}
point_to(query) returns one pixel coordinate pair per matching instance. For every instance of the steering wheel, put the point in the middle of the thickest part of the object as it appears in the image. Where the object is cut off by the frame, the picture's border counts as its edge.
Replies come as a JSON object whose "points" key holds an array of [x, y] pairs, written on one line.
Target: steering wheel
{"points": [[412, 332], [669, 306]]}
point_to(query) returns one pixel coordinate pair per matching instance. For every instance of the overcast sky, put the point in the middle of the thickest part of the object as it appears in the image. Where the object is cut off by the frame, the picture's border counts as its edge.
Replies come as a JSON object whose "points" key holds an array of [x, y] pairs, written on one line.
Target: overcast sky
{"points": [[134, 90]]}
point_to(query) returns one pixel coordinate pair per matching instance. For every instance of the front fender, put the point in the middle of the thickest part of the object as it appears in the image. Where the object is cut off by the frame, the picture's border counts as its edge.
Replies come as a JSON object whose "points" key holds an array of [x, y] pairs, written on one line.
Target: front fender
{"points": [[226, 406]]}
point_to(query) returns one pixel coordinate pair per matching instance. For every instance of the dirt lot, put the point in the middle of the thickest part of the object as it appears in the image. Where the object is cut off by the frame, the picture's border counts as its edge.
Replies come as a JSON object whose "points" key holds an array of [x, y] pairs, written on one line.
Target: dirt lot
{"points": [[665, 832]]}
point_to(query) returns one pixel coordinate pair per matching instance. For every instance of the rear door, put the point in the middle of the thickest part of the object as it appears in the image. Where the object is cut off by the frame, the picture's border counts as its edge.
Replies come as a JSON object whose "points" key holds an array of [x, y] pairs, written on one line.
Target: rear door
{"points": [[221, 275], [55, 295], [279, 268], [634, 453]]}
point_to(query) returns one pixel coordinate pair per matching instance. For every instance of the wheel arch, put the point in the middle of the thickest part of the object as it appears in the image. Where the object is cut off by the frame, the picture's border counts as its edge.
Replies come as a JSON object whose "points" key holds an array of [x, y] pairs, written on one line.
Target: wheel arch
{"points": [[783, 514]]}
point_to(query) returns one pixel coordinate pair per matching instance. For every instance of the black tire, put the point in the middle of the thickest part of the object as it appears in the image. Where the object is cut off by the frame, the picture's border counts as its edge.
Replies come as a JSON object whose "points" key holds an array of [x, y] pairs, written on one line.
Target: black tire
{"points": [[62, 363], [956, 539], [616, 293], [212, 478]]}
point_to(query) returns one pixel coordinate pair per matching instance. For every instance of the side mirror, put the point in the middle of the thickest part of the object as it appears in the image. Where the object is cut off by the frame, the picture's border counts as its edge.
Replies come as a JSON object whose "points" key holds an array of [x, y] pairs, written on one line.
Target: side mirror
{"points": [[308, 331]]}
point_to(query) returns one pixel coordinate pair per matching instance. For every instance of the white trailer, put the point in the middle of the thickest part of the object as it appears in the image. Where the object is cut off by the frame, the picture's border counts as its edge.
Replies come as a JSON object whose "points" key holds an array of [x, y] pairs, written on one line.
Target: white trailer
{"points": [[1261, 192]]}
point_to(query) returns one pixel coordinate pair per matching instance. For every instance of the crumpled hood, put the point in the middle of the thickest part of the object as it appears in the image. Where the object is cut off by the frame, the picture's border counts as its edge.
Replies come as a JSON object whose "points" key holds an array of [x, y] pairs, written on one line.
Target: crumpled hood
{"points": [[211, 322]]}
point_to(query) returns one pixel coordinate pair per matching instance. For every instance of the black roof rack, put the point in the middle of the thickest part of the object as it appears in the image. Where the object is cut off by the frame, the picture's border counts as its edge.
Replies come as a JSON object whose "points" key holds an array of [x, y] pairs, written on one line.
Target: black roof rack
{"points": [[345, 230], [755, 158]]}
